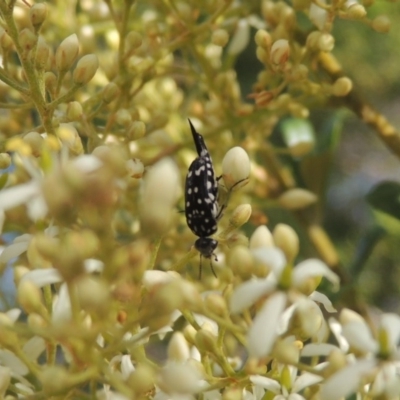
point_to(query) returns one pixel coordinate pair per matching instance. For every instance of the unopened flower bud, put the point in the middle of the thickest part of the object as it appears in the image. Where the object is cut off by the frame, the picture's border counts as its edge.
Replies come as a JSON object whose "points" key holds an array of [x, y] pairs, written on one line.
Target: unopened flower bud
{"points": [[295, 199], [85, 69], [123, 117], [55, 379], [38, 14], [306, 319], [160, 190], [262, 55], [381, 24], [178, 348], [342, 87], [42, 52], [93, 294], [133, 41], [356, 11], [286, 352], [8, 338], [74, 111], [141, 380], [263, 39], [336, 361], [220, 37], [326, 42], [6, 42], [50, 80], [190, 334], [30, 298], [67, 53], [312, 40], [206, 341], [261, 237], [111, 92], [240, 215], [36, 321], [241, 261], [285, 237], [280, 51], [35, 141], [137, 130], [216, 304], [5, 378], [27, 39], [232, 393], [235, 168], [346, 316], [5, 160], [263, 98]]}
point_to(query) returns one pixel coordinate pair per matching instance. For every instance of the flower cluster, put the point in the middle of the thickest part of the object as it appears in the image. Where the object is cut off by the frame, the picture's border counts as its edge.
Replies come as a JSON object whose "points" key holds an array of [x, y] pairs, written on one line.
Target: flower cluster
{"points": [[100, 296]]}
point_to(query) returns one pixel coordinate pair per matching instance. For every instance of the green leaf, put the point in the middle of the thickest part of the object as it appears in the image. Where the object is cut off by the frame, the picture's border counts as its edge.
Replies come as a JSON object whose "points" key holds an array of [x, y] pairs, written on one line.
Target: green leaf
{"points": [[386, 197]]}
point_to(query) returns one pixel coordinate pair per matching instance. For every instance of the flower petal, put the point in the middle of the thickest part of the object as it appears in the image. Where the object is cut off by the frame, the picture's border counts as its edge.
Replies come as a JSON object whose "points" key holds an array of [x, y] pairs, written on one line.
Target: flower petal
{"points": [[266, 383], [13, 250], [359, 336], [17, 195], [312, 268], [346, 381], [391, 323], [272, 257], [305, 380], [324, 300], [246, 294], [42, 277], [318, 349], [263, 332]]}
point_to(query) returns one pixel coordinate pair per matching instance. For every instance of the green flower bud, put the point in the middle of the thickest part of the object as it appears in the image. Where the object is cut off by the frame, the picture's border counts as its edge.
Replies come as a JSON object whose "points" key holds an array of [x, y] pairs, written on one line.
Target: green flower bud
{"points": [[5, 160], [85, 69], [178, 348], [280, 51], [236, 168], [356, 11], [241, 262], [240, 215], [133, 41], [111, 92], [137, 130], [30, 298], [8, 338], [381, 24], [285, 237], [342, 87], [295, 199], [50, 81], [6, 42], [74, 111], [261, 237], [326, 42], [42, 53], [93, 294], [35, 141], [123, 117], [263, 39], [67, 53], [220, 37], [37, 15], [27, 39]]}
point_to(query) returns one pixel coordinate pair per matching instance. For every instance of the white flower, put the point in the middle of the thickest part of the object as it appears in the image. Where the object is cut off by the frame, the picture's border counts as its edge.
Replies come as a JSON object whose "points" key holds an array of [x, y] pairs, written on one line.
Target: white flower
{"points": [[265, 329], [296, 384], [381, 358], [30, 193]]}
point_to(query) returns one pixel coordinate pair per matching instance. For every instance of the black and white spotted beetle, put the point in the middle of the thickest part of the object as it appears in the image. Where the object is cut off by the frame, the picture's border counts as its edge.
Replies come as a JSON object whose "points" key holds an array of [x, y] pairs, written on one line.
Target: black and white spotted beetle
{"points": [[201, 200]]}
